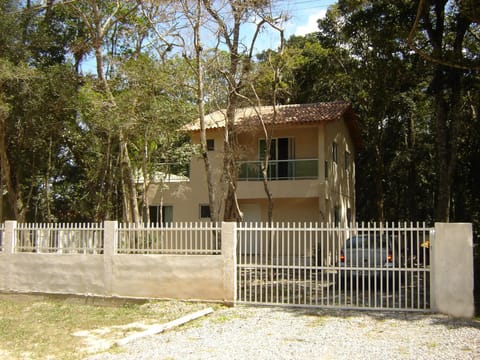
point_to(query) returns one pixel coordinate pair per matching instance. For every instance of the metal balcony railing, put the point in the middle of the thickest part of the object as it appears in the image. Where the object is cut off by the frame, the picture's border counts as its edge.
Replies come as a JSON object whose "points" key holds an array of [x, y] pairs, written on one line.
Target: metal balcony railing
{"points": [[279, 170]]}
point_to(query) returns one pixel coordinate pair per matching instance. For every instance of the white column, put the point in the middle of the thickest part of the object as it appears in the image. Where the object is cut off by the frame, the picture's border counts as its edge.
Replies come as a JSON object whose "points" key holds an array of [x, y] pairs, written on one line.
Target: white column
{"points": [[452, 270], [10, 235], [229, 251], [109, 248]]}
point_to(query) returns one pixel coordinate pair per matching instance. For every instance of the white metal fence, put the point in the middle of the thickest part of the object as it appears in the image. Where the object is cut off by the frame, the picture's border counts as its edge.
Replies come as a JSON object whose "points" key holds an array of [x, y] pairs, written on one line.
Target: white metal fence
{"points": [[59, 238], [200, 238], [373, 266], [177, 238]]}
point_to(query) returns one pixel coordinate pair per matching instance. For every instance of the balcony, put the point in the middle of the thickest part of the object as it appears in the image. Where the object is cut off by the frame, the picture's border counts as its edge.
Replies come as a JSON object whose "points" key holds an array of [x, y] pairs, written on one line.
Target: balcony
{"points": [[300, 169]]}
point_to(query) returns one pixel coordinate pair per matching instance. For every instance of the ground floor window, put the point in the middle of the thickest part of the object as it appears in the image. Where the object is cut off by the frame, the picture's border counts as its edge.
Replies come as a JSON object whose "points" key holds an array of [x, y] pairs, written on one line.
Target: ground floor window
{"points": [[204, 211], [161, 214]]}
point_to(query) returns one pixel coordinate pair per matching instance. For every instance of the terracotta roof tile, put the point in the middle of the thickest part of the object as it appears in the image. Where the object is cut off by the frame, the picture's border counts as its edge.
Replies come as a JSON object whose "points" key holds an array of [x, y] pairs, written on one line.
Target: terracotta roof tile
{"points": [[286, 114]]}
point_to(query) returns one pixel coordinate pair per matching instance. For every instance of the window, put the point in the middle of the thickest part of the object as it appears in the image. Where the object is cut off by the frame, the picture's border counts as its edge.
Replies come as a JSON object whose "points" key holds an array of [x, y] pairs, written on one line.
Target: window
{"points": [[334, 152], [210, 144], [281, 151], [326, 170], [161, 214], [347, 160], [204, 212]]}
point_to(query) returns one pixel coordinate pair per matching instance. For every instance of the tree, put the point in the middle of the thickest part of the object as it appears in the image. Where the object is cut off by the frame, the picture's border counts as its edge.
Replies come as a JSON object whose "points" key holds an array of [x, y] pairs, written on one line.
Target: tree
{"points": [[228, 17], [155, 105], [100, 18], [448, 37], [37, 98], [195, 19], [360, 54]]}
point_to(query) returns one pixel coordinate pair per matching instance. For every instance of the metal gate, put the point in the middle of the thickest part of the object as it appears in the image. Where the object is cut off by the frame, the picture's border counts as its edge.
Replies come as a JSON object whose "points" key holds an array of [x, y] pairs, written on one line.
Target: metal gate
{"points": [[367, 266]]}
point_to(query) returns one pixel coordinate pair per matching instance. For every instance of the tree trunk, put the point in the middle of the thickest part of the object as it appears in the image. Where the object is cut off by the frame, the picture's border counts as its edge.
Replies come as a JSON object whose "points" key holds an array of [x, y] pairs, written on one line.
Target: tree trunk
{"points": [[379, 196], [12, 195], [447, 89], [232, 209], [442, 206], [411, 193], [201, 114], [129, 181]]}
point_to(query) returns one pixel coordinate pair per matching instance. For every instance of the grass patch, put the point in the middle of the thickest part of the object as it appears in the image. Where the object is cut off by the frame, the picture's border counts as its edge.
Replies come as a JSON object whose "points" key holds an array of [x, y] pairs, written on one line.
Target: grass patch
{"points": [[44, 328]]}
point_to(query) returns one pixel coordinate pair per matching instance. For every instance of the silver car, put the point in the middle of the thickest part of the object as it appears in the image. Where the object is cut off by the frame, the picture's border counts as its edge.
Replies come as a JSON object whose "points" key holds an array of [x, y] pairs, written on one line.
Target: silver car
{"points": [[367, 257]]}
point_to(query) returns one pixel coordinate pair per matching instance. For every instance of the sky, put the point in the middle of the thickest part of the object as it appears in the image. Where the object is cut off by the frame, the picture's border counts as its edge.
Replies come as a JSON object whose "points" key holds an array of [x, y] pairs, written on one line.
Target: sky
{"points": [[304, 15]]}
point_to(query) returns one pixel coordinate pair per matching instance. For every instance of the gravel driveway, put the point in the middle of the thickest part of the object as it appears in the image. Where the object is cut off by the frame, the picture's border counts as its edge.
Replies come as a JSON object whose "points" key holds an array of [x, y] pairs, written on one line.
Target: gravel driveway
{"points": [[281, 333]]}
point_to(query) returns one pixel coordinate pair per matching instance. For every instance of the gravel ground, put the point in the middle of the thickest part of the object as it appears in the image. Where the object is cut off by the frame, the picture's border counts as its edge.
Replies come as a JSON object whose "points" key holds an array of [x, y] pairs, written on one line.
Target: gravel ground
{"points": [[281, 333]]}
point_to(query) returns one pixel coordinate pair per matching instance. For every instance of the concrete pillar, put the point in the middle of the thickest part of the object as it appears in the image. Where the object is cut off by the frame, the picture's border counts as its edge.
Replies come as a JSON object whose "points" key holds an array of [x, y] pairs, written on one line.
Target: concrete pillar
{"points": [[452, 270], [10, 235], [110, 235], [229, 247]]}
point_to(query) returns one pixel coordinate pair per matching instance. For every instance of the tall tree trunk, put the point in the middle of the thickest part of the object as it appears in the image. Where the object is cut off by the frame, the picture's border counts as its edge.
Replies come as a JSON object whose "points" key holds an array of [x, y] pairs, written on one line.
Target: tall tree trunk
{"points": [[379, 195], [6, 169], [412, 212], [442, 206], [129, 181], [201, 113], [232, 209], [47, 182], [446, 35]]}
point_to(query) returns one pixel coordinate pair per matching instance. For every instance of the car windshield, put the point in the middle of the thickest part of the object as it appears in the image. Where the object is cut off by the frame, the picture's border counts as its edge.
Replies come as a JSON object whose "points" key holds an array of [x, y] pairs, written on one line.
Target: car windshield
{"points": [[366, 242]]}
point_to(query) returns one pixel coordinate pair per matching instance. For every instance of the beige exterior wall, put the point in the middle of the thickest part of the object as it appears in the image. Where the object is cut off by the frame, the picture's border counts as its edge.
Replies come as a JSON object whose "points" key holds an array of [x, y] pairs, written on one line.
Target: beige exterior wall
{"points": [[285, 209], [290, 196], [340, 184]]}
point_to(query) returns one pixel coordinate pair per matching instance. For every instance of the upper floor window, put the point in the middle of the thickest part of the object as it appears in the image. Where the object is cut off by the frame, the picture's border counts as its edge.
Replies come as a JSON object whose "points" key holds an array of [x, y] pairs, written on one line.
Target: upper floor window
{"points": [[335, 152], [210, 144], [282, 150]]}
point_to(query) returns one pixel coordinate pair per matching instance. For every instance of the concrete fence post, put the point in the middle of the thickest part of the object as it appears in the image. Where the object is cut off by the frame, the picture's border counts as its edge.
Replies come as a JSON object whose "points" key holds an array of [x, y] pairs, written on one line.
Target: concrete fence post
{"points": [[110, 235], [229, 248], [452, 270], [10, 235]]}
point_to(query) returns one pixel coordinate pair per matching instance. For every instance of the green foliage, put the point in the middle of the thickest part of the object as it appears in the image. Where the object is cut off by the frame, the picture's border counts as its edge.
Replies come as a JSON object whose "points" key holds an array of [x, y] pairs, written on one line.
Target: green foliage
{"points": [[361, 54], [61, 127]]}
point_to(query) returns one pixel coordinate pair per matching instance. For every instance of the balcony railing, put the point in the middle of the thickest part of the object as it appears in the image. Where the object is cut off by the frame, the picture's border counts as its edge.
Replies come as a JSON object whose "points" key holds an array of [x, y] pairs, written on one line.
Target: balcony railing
{"points": [[279, 170]]}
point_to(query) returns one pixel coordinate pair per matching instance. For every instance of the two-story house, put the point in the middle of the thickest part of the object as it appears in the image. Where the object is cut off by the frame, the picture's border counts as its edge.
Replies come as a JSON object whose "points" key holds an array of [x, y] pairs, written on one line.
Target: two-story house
{"points": [[311, 169]]}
